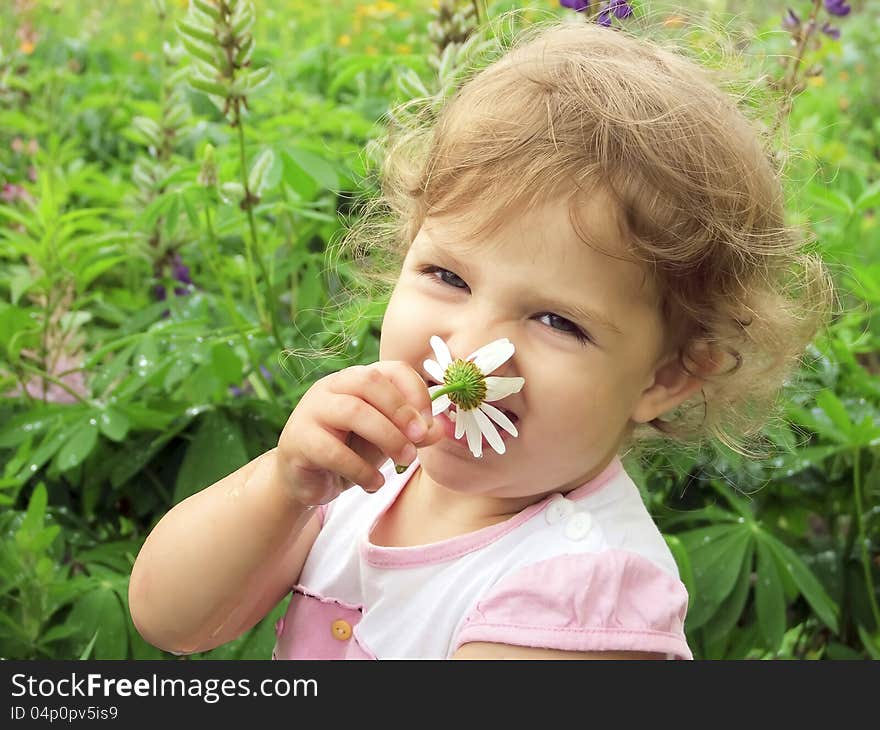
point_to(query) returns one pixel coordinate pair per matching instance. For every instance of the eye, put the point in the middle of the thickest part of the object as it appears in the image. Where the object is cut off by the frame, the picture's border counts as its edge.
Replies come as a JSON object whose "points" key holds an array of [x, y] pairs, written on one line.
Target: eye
{"points": [[445, 275], [561, 324]]}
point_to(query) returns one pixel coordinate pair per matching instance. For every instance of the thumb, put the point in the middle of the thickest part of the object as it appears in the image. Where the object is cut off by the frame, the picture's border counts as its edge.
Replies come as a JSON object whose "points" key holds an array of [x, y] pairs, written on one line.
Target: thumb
{"points": [[435, 433]]}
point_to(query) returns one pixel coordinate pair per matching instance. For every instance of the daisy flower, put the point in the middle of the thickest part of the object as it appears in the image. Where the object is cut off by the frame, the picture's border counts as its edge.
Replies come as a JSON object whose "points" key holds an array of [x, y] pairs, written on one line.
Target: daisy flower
{"points": [[467, 390]]}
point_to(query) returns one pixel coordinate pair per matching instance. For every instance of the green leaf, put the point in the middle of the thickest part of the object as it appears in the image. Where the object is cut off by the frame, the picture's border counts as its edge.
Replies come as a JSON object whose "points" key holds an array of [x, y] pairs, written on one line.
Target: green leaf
{"points": [[46, 450], [78, 446], [870, 198], [113, 424], [769, 600], [197, 32], [683, 562], [99, 612], [172, 216], [33, 517], [56, 633], [871, 643], [716, 554], [227, 365], [143, 451], [835, 410], [252, 81], [216, 450], [316, 167], [831, 198], [208, 8], [94, 270], [730, 611], [257, 175], [27, 424], [807, 583], [200, 83]]}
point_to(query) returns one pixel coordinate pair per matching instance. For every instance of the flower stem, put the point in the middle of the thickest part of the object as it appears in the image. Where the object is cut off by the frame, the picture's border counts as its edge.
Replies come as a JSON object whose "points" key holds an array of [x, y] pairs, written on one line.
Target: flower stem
{"points": [[451, 388], [250, 243], [863, 540], [234, 314]]}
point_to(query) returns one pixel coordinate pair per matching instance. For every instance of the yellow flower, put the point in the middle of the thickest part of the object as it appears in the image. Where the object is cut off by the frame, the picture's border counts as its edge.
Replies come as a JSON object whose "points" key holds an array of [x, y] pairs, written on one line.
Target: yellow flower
{"points": [[343, 40], [371, 50], [817, 81], [27, 48], [403, 48]]}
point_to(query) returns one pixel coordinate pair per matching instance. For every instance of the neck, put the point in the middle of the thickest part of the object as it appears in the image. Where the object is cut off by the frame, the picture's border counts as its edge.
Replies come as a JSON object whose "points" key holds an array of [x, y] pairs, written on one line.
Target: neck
{"points": [[470, 511]]}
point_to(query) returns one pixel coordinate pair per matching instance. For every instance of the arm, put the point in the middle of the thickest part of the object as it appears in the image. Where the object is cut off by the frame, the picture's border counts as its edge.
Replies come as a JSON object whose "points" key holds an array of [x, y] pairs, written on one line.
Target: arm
{"points": [[486, 650], [220, 560]]}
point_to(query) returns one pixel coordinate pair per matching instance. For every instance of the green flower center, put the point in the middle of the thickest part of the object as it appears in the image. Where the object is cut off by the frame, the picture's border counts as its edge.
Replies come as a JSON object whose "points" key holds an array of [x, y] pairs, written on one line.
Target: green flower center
{"points": [[465, 384]]}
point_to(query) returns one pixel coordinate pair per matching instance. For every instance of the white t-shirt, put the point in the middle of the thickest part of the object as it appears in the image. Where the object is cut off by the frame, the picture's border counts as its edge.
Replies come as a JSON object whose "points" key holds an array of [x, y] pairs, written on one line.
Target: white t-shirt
{"points": [[589, 571]]}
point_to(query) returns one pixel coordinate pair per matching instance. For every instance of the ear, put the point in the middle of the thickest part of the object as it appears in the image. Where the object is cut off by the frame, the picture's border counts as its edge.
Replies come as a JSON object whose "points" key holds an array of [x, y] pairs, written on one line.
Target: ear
{"points": [[672, 384]]}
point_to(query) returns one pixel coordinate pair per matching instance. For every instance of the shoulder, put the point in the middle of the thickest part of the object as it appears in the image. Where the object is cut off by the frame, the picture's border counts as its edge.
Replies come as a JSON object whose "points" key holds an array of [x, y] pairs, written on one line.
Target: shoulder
{"points": [[611, 585], [613, 600]]}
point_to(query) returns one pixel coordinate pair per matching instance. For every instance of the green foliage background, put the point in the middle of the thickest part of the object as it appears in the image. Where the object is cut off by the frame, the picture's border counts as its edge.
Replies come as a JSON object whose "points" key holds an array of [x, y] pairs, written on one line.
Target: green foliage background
{"points": [[118, 404]]}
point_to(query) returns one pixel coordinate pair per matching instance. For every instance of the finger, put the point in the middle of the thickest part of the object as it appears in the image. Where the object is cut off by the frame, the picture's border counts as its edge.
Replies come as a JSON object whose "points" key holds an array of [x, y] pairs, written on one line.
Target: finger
{"points": [[333, 456], [349, 413], [412, 386], [380, 386]]}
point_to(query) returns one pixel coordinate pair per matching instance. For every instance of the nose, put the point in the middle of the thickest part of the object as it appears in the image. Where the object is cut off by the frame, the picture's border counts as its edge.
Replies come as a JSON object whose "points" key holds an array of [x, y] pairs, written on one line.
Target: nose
{"points": [[465, 341]]}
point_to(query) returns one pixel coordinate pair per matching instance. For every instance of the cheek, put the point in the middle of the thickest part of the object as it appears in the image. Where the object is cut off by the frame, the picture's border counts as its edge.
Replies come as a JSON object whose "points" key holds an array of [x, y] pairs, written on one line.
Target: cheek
{"points": [[402, 327]]}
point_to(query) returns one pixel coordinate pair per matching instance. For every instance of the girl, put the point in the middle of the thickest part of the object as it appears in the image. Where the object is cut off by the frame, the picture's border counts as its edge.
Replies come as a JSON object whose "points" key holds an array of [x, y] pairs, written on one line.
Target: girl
{"points": [[597, 202]]}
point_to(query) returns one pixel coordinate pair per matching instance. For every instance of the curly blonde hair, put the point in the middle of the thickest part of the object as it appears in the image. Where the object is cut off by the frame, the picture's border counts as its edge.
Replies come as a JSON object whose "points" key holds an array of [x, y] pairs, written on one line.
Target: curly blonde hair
{"points": [[699, 200]]}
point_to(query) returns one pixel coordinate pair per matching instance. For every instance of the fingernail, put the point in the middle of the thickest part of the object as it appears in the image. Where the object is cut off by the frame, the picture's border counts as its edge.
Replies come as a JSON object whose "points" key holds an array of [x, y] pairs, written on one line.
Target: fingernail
{"points": [[428, 417], [416, 430], [409, 453]]}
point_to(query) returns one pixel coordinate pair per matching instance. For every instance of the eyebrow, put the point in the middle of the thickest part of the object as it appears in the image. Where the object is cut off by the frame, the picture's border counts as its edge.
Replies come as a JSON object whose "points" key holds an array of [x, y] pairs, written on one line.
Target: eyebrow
{"points": [[429, 249]]}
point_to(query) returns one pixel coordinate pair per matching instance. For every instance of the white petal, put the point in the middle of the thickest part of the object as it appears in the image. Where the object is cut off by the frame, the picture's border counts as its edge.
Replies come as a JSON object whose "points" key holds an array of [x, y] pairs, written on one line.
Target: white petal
{"points": [[474, 436], [441, 351], [459, 424], [492, 356], [489, 430], [441, 404], [498, 388], [434, 370], [499, 418]]}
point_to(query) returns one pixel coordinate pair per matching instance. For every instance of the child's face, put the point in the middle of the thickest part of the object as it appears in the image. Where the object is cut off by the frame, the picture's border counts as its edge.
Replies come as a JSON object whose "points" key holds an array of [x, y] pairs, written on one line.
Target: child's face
{"points": [[526, 282]]}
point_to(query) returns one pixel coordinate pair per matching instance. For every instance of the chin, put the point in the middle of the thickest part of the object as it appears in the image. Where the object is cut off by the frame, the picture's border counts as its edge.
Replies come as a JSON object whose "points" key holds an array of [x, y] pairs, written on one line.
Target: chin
{"points": [[454, 467]]}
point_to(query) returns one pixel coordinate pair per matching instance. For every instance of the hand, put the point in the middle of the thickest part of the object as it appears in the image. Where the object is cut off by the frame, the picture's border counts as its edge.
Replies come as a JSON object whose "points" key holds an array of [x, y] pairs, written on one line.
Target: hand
{"points": [[349, 423]]}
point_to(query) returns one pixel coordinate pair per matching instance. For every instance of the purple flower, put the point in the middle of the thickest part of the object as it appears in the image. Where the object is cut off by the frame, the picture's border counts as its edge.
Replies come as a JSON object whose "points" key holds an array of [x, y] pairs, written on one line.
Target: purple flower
{"points": [[837, 7], [620, 9], [180, 271], [831, 31], [576, 5], [790, 20]]}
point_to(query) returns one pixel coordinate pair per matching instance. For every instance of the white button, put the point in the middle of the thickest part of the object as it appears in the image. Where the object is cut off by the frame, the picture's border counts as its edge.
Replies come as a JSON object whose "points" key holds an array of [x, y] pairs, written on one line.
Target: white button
{"points": [[558, 509], [578, 525]]}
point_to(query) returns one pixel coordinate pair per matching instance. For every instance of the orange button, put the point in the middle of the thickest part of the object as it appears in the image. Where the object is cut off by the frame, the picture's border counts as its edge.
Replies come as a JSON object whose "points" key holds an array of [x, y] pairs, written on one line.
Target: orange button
{"points": [[341, 630]]}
